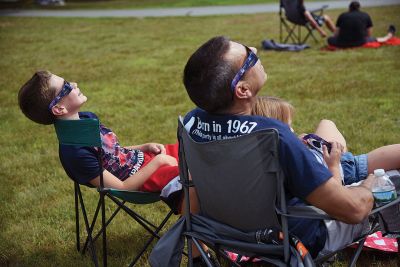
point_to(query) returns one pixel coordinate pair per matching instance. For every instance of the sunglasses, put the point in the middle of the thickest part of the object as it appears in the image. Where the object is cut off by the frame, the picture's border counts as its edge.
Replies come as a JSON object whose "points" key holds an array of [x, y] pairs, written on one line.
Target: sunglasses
{"points": [[316, 142], [250, 61], [67, 88]]}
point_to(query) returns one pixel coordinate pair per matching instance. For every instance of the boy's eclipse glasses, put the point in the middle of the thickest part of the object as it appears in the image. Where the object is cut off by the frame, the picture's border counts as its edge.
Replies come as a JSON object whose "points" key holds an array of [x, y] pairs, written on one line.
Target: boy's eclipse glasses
{"points": [[250, 61], [67, 88]]}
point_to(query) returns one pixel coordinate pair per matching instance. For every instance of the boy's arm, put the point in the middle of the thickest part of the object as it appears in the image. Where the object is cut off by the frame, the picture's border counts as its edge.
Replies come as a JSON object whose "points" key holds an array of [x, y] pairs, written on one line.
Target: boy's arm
{"points": [[136, 180]]}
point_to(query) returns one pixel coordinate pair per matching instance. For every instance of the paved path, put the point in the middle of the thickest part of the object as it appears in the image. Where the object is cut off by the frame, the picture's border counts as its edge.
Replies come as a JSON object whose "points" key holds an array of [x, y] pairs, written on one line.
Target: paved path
{"points": [[185, 11]]}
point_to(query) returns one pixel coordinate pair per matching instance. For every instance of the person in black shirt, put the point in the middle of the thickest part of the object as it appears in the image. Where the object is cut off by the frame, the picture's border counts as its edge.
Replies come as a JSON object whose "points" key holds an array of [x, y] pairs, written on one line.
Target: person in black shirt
{"points": [[354, 28]]}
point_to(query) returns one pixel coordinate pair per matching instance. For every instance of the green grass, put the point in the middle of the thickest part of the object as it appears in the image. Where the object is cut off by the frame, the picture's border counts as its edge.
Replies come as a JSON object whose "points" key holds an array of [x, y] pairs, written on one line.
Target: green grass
{"points": [[133, 4], [131, 71]]}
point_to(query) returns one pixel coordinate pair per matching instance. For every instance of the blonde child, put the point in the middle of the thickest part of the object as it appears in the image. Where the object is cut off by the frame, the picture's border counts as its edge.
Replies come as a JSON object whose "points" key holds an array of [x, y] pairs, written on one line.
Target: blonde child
{"points": [[355, 168]]}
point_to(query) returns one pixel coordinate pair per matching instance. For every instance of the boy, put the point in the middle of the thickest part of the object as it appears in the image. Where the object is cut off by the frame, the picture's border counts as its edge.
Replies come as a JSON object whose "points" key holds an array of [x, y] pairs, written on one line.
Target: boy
{"points": [[47, 97]]}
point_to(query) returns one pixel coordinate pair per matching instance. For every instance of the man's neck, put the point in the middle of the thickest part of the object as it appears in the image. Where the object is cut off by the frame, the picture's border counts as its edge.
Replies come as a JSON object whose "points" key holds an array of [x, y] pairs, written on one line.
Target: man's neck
{"points": [[239, 108]]}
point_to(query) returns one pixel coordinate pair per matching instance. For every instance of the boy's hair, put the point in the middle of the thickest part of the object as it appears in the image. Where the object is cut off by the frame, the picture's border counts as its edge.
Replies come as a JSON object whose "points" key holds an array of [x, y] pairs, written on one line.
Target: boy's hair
{"points": [[35, 96], [354, 5], [207, 75], [273, 107]]}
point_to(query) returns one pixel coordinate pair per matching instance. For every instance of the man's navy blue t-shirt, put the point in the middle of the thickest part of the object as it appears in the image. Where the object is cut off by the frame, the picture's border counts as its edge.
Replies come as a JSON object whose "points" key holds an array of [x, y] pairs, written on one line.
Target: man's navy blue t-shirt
{"points": [[302, 171]]}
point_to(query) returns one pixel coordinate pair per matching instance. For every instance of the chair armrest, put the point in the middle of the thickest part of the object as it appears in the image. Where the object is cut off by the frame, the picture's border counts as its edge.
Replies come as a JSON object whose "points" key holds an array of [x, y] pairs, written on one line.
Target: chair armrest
{"points": [[308, 212], [378, 209], [320, 10]]}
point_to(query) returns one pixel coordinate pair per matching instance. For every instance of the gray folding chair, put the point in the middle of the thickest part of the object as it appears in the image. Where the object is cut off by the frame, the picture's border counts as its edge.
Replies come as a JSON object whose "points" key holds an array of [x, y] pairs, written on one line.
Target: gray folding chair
{"points": [[240, 187]]}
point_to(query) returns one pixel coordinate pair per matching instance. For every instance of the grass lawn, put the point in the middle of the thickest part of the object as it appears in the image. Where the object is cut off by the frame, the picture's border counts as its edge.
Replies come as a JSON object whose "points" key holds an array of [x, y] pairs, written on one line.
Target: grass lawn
{"points": [[133, 4], [131, 71]]}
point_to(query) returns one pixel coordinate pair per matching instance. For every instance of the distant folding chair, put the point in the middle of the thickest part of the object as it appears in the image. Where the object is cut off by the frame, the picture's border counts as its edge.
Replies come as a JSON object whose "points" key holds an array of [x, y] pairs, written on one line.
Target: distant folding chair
{"points": [[292, 21], [240, 187], [85, 132]]}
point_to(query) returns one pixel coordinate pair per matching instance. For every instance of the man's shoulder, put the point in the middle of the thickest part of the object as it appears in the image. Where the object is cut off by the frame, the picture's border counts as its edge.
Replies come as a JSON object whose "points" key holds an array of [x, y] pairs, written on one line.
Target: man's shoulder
{"points": [[204, 126]]}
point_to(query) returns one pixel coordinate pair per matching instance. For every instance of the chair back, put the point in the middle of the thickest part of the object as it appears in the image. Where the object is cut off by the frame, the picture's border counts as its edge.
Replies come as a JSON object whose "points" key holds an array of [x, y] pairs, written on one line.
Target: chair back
{"points": [[292, 11], [236, 180], [83, 132]]}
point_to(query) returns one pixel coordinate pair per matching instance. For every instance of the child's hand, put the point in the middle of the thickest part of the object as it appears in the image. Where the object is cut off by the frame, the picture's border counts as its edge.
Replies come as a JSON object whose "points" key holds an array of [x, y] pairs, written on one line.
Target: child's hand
{"points": [[155, 148], [333, 159]]}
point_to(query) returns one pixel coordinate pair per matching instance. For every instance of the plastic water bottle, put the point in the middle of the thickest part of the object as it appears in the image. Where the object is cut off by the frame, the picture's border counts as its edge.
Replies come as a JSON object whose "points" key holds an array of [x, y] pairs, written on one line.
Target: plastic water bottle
{"points": [[383, 189]]}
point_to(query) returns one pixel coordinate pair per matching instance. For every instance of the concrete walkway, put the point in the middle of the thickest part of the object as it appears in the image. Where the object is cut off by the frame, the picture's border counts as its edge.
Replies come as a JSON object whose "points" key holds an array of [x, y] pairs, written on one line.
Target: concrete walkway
{"points": [[186, 11]]}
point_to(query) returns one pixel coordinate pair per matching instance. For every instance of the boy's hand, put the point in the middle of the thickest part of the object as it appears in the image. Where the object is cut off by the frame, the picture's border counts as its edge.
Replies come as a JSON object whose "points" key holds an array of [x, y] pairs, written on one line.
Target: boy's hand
{"points": [[155, 148]]}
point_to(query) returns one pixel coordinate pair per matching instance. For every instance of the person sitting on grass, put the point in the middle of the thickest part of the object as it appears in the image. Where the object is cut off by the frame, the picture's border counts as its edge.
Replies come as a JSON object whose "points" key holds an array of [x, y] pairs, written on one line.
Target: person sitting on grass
{"points": [[354, 168], [47, 97], [354, 28]]}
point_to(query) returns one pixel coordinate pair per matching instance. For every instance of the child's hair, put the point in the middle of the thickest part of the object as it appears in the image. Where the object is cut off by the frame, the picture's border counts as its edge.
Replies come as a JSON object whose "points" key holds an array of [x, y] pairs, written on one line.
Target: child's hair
{"points": [[273, 107], [35, 96]]}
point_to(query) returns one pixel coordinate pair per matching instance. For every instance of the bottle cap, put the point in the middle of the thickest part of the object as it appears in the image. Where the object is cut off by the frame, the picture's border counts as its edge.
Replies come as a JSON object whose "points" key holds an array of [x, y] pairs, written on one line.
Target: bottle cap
{"points": [[379, 172]]}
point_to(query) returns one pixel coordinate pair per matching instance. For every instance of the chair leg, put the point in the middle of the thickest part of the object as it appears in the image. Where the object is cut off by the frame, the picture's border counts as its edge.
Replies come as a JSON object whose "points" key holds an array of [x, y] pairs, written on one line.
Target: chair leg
{"points": [[358, 252], [144, 223], [94, 222], [103, 227], [88, 230], [78, 241], [156, 231]]}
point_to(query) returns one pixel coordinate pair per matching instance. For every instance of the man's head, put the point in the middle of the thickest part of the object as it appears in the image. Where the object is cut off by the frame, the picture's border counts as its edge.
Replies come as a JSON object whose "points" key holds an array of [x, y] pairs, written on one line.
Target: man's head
{"points": [[222, 72], [354, 5], [46, 96]]}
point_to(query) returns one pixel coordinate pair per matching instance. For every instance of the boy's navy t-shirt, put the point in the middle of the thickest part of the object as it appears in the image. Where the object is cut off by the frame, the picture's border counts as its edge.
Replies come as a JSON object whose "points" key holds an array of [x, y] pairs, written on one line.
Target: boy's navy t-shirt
{"points": [[81, 164], [302, 171]]}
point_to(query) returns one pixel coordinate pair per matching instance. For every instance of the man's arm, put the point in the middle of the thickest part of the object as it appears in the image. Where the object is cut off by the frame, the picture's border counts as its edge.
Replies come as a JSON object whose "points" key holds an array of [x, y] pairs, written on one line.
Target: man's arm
{"points": [[348, 204], [314, 24]]}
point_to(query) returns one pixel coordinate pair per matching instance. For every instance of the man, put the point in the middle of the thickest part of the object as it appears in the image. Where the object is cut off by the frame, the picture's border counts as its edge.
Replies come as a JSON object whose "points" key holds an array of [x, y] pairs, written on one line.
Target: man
{"points": [[354, 28], [297, 13], [223, 78]]}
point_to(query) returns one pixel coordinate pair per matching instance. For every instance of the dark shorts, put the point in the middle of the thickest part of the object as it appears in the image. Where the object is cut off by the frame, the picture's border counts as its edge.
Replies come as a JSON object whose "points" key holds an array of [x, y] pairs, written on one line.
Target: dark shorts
{"points": [[333, 40]]}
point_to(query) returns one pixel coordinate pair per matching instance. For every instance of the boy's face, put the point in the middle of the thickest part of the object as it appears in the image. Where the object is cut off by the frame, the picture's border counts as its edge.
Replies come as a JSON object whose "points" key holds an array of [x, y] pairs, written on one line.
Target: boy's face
{"points": [[71, 102]]}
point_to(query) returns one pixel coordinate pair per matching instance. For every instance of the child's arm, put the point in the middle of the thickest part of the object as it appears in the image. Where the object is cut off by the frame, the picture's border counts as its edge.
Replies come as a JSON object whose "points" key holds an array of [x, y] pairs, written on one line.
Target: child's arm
{"points": [[136, 180], [154, 148]]}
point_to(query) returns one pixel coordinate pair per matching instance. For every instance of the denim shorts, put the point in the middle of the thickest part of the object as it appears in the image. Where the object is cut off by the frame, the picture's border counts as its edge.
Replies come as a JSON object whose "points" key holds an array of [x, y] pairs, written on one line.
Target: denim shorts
{"points": [[355, 168]]}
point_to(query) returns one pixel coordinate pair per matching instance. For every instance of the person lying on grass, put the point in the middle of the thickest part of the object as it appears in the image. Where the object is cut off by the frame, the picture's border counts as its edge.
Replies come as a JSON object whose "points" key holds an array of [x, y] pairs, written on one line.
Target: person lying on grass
{"points": [[353, 168], [47, 97]]}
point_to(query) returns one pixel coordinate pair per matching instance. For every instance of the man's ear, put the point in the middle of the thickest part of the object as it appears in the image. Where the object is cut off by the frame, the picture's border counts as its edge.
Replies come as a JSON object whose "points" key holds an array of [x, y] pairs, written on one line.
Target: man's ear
{"points": [[243, 90], [59, 110]]}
